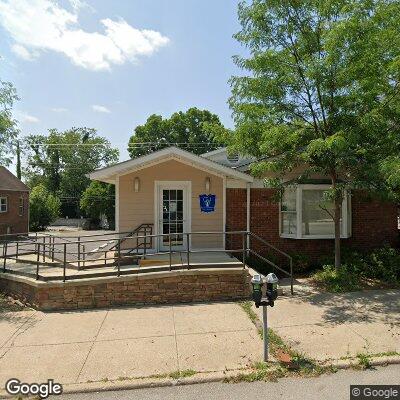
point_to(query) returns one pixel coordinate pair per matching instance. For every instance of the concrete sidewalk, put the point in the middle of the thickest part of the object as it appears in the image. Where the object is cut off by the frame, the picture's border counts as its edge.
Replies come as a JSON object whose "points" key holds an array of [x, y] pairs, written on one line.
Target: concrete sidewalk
{"points": [[100, 345], [327, 326]]}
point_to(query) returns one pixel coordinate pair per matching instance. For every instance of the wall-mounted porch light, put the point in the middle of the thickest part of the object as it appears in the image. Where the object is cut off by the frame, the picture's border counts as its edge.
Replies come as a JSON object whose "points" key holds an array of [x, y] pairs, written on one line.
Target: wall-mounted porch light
{"points": [[136, 184], [208, 184]]}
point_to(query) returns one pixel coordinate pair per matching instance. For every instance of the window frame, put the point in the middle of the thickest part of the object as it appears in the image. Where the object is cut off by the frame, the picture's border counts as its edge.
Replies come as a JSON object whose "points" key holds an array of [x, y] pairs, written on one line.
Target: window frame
{"points": [[346, 215], [6, 199], [21, 206]]}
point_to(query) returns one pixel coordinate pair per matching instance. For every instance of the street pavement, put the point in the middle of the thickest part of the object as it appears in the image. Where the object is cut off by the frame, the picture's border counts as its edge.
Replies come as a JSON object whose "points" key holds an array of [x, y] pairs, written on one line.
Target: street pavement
{"points": [[327, 387]]}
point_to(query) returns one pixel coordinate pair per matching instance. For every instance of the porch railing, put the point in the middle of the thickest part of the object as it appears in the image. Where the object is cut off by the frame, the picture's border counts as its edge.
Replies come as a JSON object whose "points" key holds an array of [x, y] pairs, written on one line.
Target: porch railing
{"points": [[73, 254]]}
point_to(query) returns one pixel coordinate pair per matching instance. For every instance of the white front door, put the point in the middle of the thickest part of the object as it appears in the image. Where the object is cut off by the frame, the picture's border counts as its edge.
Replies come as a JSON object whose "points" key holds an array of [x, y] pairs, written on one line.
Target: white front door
{"points": [[173, 214]]}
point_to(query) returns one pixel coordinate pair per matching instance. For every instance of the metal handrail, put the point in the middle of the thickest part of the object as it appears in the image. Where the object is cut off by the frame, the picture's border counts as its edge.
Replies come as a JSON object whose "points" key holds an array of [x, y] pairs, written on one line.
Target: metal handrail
{"points": [[246, 249], [132, 233]]}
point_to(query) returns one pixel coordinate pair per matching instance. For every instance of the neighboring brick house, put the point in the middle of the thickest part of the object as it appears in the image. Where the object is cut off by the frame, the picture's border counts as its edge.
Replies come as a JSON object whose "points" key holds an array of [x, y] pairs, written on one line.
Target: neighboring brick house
{"points": [[14, 204]]}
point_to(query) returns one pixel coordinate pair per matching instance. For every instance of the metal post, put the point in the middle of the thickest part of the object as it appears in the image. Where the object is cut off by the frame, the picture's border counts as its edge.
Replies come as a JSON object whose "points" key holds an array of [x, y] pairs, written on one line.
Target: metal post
{"points": [[119, 257], [4, 256], [291, 275], [44, 249], [37, 260], [65, 262], [244, 250], [17, 250], [188, 249], [79, 252], [52, 249], [265, 333], [105, 258], [84, 255], [145, 247], [170, 252]]}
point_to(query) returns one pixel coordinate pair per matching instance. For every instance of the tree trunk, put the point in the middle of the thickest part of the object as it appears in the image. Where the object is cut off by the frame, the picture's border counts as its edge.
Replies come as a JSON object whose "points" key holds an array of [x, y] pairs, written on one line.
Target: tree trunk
{"points": [[338, 207]]}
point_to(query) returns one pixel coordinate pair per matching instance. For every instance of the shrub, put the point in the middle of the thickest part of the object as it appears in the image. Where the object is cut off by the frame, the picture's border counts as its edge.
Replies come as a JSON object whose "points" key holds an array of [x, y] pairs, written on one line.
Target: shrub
{"points": [[384, 264], [381, 264], [337, 280], [98, 200], [44, 208]]}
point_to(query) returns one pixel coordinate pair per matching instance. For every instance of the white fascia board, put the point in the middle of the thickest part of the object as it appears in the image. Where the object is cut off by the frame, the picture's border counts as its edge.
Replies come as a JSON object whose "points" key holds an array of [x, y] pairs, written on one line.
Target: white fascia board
{"points": [[109, 173]]}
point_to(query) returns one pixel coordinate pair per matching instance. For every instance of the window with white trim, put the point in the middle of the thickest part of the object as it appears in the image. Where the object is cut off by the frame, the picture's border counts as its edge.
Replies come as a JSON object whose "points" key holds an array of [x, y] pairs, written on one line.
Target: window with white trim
{"points": [[306, 214], [3, 204], [21, 206]]}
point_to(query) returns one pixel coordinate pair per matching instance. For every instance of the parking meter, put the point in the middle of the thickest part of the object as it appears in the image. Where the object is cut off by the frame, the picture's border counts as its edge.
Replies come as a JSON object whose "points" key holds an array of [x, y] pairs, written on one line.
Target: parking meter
{"points": [[257, 284], [271, 294], [272, 288]]}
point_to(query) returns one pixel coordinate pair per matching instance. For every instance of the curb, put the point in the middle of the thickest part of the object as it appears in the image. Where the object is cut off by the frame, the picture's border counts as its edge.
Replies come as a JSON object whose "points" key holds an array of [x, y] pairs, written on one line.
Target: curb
{"points": [[199, 378], [374, 361], [143, 383]]}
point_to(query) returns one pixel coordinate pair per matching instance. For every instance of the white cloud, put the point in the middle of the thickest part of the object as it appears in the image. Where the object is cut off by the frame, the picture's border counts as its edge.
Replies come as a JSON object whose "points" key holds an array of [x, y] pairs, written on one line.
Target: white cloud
{"points": [[23, 53], [42, 25], [100, 109], [23, 117], [59, 109]]}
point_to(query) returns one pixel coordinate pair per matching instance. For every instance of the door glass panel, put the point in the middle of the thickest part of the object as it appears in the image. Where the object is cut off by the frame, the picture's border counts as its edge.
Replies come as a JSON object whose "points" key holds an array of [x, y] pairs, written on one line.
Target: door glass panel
{"points": [[173, 216]]}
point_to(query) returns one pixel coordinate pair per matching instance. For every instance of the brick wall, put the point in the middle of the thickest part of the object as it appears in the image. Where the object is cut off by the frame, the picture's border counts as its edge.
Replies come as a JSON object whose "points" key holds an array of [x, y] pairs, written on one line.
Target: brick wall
{"points": [[374, 224], [11, 218], [174, 287]]}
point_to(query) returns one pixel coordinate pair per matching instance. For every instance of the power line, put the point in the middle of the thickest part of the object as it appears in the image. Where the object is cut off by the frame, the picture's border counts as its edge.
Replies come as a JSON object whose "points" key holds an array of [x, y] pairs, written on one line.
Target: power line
{"points": [[129, 145]]}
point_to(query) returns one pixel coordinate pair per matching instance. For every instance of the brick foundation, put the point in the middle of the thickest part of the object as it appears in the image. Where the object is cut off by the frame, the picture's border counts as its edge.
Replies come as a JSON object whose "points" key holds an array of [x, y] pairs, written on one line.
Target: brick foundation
{"points": [[374, 224], [156, 288]]}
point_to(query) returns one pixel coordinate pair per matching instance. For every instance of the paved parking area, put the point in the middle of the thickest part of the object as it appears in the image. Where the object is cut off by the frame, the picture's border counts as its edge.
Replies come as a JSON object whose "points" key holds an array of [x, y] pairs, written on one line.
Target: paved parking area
{"points": [[110, 344]]}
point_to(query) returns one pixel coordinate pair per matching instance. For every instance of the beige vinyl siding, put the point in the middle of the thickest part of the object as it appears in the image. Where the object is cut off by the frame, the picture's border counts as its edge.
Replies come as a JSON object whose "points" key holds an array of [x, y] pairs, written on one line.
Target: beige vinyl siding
{"points": [[138, 208]]}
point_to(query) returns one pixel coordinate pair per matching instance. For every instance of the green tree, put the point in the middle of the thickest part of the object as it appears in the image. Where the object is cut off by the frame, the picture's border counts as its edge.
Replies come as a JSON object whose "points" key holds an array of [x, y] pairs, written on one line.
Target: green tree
{"points": [[44, 208], [321, 91], [8, 126], [18, 166], [99, 199], [62, 160], [182, 129]]}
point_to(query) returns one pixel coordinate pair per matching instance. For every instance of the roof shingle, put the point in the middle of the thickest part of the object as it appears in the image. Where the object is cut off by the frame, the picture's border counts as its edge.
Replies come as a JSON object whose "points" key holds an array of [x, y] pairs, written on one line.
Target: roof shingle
{"points": [[8, 181]]}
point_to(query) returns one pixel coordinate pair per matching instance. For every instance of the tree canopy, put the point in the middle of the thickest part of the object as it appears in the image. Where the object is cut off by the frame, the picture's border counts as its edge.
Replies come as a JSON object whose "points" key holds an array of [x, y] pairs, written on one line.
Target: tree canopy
{"points": [[8, 126], [44, 208], [99, 199], [183, 129], [320, 90], [61, 160]]}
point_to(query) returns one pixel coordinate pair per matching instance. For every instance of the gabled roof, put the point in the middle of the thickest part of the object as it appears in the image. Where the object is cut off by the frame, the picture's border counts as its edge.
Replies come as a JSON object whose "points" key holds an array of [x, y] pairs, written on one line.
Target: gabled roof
{"points": [[109, 174], [8, 181], [213, 152]]}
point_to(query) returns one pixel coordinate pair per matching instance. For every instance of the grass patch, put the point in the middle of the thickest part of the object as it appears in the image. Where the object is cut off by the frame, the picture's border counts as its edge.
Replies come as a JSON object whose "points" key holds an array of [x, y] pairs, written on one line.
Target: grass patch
{"points": [[182, 374], [364, 360], [262, 371], [247, 307]]}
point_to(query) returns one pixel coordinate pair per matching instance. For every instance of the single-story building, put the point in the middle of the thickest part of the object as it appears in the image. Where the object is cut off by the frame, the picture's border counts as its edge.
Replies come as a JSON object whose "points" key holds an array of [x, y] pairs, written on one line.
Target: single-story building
{"points": [[14, 204], [178, 192]]}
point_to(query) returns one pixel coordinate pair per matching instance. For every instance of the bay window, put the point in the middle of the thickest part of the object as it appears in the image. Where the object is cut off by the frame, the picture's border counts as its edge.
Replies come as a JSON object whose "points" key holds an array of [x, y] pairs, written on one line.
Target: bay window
{"points": [[305, 213]]}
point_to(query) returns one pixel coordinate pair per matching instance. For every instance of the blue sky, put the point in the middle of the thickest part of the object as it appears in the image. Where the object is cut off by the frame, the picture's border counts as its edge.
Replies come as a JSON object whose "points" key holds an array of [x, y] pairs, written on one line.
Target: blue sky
{"points": [[110, 64]]}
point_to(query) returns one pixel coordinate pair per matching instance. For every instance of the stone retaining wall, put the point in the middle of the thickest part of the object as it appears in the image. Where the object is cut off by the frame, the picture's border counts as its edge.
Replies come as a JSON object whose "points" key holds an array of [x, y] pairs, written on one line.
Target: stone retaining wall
{"points": [[155, 288]]}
